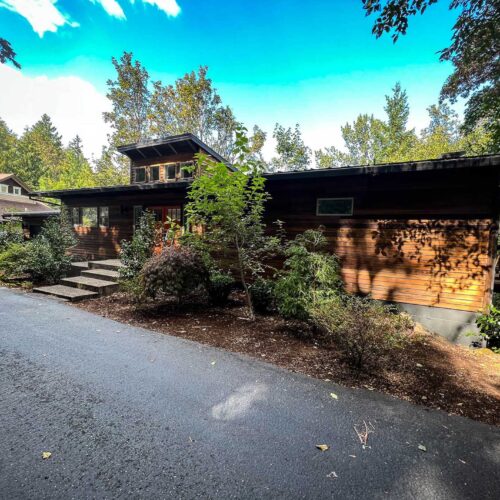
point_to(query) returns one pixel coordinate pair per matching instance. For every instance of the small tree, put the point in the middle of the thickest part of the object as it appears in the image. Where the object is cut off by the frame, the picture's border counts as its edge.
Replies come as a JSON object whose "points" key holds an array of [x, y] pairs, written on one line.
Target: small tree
{"points": [[229, 206]]}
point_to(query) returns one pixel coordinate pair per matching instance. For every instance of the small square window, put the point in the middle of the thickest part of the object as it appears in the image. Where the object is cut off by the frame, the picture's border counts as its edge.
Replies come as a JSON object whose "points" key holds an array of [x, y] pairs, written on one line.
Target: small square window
{"points": [[140, 174], [104, 216], [334, 206], [171, 171], [17, 190], [4, 189], [154, 174], [89, 216]]}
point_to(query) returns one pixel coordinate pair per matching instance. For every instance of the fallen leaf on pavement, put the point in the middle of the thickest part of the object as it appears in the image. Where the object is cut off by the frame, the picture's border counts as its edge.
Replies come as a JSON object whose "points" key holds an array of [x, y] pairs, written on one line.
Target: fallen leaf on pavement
{"points": [[333, 475], [322, 447], [422, 447], [213, 363], [333, 395], [46, 454]]}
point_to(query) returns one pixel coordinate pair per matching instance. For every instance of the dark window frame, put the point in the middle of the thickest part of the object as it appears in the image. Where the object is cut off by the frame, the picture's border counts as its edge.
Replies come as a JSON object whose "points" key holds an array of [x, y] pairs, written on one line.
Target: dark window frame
{"points": [[157, 169], [349, 213], [167, 168], [143, 171], [100, 217]]}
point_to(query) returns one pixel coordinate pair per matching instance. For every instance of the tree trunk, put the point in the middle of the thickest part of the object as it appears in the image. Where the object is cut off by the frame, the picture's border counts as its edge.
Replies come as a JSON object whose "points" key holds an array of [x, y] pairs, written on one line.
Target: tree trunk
{"points": [[251, 314]]}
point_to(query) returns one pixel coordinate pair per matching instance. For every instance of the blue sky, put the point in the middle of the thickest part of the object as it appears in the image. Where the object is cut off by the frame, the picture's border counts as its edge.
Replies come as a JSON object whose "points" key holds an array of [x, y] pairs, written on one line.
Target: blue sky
{"points": [[287, 61]]}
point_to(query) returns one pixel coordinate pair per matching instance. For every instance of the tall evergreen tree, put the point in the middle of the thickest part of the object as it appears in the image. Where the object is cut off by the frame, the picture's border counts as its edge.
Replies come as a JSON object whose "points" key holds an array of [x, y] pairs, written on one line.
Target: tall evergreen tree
{"points": [[8, 143]]}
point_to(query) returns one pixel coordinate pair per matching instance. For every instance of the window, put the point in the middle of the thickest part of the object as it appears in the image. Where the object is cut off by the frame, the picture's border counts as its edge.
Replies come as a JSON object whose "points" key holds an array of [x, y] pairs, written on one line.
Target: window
{"points": [[104, 216], [75, 216], [89, 216], [154, 174], [140, 174], [137, 215], [4, 189], [170, 172], [174, 214], [334, 206], [17, 190]]}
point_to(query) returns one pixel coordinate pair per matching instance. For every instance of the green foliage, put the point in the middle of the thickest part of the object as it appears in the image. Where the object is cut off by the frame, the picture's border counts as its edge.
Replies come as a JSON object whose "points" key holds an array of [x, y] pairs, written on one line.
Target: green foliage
{"points": [[135, 253], [10, 232], [229, 205], [47, 259], [262, 292], [308, 275], [12, 258], [7, 53], [369, 140], [489, 327], [363, 329], [219, 287], [293, 154], [473, 52], [175, 273]]}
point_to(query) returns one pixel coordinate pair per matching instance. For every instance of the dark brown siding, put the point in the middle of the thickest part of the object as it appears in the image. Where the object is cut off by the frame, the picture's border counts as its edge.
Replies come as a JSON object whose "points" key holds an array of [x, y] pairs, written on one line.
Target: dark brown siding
{"points": [[425, 238], [100, 242]]}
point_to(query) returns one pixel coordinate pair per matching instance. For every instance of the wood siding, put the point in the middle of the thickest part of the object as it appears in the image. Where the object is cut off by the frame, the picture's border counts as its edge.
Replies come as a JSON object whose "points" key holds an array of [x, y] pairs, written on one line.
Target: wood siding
{"points": [[426, 238]]}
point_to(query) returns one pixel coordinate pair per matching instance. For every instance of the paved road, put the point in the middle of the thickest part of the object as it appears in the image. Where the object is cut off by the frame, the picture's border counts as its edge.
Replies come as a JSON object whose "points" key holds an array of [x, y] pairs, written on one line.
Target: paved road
{"points": [[132, 413]]}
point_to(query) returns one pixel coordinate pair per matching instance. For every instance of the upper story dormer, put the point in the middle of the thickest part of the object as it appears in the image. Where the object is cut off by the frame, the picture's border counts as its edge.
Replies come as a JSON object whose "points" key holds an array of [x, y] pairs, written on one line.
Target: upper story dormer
{"points": [[13, 186], [163, 160]]}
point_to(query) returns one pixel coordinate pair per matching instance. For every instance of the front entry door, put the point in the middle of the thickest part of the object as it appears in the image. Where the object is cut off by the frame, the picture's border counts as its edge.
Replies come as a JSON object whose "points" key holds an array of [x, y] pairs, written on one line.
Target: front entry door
{"points": [[166, 216]]}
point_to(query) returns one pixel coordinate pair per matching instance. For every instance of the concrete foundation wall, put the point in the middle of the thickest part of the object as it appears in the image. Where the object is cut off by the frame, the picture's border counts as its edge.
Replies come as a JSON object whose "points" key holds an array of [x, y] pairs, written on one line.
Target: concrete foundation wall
{"points": [[452, 324]]}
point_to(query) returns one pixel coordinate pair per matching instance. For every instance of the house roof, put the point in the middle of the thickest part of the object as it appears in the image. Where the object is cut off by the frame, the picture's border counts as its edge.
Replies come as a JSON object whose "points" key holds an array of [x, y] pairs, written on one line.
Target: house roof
{"points": [[490, 161], [20, 203], [4, 177], [485, 161], [126, 188], [167, 146]]}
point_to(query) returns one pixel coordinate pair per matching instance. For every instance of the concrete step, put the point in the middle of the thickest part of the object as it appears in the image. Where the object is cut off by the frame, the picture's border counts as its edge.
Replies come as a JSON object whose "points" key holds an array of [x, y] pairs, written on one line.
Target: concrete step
{"points": [[102, 274], [78, 267], [102, 287], [66, 292], [109, 264]]}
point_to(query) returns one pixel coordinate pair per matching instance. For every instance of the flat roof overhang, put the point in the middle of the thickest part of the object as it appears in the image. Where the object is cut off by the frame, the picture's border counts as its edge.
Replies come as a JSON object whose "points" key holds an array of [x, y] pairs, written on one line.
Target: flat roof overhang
{"points": [[489, 161], [169, 146], [127, 188]]}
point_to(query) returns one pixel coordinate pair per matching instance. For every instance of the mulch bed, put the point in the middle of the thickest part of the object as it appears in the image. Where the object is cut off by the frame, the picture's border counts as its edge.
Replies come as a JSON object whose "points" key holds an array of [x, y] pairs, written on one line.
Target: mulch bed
{"points": [[430, 371]]}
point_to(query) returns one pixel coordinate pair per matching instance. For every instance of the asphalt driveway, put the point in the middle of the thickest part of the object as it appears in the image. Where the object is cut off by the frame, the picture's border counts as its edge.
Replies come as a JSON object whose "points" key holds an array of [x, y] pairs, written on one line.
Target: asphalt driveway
{"points": [[132, 413]]}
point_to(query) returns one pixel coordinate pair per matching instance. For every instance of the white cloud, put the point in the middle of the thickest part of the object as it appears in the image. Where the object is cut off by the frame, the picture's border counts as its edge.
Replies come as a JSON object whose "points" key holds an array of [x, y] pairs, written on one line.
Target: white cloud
{"points": [[43, 15], [170, 7], [74, 105], [112, 7]]}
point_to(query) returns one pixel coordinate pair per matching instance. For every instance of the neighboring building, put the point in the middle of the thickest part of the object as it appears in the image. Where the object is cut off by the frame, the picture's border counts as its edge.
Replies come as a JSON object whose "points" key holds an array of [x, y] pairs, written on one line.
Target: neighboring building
{"points": [[15, 202], [421, 234]]}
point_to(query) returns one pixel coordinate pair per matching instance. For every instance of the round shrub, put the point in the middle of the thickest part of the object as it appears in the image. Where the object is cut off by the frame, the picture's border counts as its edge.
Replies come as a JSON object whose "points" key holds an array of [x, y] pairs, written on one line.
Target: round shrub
{"points": [[219, 287], [176, 272]]}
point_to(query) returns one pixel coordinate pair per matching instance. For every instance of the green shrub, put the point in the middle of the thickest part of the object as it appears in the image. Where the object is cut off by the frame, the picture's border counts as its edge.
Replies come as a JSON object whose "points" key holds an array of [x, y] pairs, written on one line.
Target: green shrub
{"points": [[219, 287], [45, 258], [262, 293], [10, 232], [12, 260], [363, 329], [308, 275], [176, 272], [489, 327], [135, 253]]}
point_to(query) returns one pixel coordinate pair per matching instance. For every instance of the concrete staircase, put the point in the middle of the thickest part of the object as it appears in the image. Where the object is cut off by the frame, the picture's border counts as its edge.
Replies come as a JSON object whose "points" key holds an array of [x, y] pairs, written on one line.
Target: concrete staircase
{"points": [[88, 280]]}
